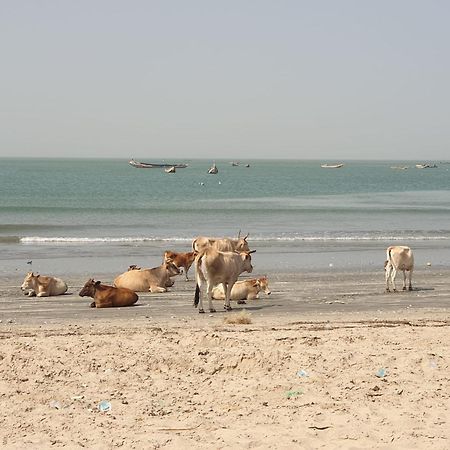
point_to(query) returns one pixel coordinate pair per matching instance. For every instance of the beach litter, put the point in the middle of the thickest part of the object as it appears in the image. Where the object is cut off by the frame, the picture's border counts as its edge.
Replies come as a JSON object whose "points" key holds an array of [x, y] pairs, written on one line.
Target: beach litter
{"points": [[381, 373], [104, 406], [293, 394], [55, 404], [303, 373]]}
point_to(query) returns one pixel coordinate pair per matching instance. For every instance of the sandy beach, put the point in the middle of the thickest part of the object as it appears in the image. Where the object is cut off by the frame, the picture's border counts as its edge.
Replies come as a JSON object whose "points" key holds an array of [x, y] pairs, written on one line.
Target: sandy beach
{"points": [[329, 360]]}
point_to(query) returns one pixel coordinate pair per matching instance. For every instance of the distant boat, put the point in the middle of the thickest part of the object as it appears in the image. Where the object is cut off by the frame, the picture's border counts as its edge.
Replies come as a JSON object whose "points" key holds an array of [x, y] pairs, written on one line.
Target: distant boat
{"points": [[331, 166], [247, 165], [213, 169], [399, 167], [234, 163], [144, 165], [170, 169], [426, 166]]}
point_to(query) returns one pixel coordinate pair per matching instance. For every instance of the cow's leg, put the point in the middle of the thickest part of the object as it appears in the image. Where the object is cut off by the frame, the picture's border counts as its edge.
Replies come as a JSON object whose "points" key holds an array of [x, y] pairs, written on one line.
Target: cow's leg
{"points": [[393, 275], [388, 276], [227, 289], [209, 288], [41, 292], [410, 277], [31, 293], [92, 305], [157, 289], [404, 280], [186, 269]]}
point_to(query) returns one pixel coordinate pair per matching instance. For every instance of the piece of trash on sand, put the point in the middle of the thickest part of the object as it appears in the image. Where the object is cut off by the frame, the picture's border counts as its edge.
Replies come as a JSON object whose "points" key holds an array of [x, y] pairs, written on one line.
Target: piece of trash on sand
{"points": [[428, 264], [55, 404], [303, 373], [104, 406], [433, 364], [293, 394], [77, 397], [381, 373]]}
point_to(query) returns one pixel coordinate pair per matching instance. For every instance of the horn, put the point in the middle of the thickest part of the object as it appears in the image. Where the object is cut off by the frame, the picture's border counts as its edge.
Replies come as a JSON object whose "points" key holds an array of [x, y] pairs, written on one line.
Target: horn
{"points": [[251, 251], [239, 234], [246, 236]]}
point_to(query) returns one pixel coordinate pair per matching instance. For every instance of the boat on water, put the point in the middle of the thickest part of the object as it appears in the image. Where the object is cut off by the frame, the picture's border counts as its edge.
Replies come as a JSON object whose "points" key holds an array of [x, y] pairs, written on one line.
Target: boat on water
{"points": [[213, 169], [144, 165], [426, 166], [331, 166], [234, 163], [170, 169], [399, 167]]}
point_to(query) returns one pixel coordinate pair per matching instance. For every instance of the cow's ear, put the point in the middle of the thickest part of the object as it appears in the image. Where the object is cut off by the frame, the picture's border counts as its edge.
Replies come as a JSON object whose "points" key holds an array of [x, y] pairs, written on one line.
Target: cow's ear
{"points": [[255, 284], [37, 275], [97, 283]]}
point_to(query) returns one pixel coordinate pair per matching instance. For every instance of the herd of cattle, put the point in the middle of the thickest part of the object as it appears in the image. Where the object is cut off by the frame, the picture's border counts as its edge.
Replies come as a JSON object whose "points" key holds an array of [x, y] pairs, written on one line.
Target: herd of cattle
{"points": [[218, 264]]}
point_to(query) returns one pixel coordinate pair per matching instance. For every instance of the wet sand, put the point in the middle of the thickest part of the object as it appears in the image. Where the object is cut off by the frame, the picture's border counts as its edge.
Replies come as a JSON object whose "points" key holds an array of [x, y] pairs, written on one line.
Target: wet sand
{"points": [[302, 374]]}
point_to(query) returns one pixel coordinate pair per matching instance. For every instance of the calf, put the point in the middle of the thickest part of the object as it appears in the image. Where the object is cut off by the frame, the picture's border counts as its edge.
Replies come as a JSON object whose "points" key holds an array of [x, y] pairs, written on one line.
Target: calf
{"points": [[244, 290], [41, 286], [398, 258], [181, 260], [107, 296], [153, 280], [213, 267]]}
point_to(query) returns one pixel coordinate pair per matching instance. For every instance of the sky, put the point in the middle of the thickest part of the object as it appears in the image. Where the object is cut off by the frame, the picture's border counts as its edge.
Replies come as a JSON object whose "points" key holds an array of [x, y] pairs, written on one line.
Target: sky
{"points": [[318, 79]]}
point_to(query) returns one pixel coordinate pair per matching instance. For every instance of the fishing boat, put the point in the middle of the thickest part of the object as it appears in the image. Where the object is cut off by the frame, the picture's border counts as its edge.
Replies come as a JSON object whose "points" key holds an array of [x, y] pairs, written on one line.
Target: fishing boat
{"points": [[426, 166], [144, 165], [170, 169], [331, 166], [213, 169], [234, 163]]}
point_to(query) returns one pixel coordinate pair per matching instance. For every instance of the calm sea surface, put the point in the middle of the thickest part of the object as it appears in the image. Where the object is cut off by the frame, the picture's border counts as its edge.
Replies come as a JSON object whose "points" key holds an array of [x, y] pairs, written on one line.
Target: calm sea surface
{"points": [[96, 216]]}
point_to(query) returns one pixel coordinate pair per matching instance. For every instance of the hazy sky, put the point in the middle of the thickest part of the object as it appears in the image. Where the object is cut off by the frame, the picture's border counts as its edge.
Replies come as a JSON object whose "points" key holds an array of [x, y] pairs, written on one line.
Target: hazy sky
{"points": [[330, 79]]}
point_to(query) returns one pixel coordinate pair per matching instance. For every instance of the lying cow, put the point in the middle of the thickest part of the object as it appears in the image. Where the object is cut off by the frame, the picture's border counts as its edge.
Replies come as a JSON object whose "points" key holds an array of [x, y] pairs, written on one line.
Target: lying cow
{"points": [[107, 296], [200, 244], [244, 290], [181, 260], [398, 258], [153, 280], [213, 267], [41, 286]]}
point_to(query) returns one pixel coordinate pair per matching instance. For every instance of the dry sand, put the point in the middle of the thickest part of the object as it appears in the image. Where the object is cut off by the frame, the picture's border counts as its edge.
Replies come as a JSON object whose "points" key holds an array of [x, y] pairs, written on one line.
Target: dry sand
{"points": [[302, 374]]}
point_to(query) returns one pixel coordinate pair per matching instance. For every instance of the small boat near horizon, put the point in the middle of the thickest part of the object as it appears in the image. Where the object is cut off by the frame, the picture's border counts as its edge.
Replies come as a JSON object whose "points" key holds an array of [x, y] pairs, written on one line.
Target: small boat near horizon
{"points": [[144, 165], [426, 166], [170, 169], [213, 169], [331, 166], [399, 167]]}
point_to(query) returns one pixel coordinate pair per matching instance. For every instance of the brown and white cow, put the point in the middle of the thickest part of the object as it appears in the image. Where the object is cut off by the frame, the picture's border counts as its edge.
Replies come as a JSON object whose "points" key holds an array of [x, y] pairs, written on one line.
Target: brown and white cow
{"points": [[244, 290], [200, 244], [181, 260], [213, 267], [107, 296], [153, 280], [398, 258], [42, 286]]}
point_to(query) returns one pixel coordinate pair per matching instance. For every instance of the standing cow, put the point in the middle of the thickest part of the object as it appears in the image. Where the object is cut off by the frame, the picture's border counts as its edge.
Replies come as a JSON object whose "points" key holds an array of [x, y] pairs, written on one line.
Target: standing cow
{"points": [[398, 258], [213, 267], [200, 244]]}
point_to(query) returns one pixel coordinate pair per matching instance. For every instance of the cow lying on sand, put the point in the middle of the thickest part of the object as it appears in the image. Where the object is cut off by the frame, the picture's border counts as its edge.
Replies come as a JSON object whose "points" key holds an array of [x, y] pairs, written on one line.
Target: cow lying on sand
{"points": [[398, 258], [201, 243], [41, 286], [213, 267], [244, 290], [153, 280], [181, 260], [107, 296]]}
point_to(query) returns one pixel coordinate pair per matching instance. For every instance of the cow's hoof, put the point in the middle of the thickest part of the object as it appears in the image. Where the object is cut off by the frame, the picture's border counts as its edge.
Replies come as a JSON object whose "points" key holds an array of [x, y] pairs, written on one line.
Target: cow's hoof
{"points": [[212, 310], [227, 308], [404, 289], [241, 302], [92, 305], [410, 288], [201, 311]]}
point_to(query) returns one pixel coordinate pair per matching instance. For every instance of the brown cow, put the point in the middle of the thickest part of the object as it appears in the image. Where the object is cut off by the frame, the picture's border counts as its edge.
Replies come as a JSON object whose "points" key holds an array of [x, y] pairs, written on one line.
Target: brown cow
{"points": [[244, 290], [213, 267], [41, 286], [153, 280], [107, 296], [181, 260]]}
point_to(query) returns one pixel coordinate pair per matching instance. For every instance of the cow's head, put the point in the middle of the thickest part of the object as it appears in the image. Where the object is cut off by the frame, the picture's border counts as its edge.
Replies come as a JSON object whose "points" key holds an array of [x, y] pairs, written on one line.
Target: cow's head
{"points": [[263, 284], [247, 261], [29, 283], [172, 269], [89, 288], [241, 243]]}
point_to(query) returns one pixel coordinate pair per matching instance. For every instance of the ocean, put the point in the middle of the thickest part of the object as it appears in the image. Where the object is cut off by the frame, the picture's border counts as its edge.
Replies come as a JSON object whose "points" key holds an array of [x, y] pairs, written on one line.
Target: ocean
{"points": [[100, 215]]}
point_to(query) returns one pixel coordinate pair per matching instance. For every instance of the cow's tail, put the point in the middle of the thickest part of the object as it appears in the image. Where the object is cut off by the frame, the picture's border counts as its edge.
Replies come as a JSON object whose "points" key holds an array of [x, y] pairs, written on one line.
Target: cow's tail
{"points": [[197, 295], [388, 255]]}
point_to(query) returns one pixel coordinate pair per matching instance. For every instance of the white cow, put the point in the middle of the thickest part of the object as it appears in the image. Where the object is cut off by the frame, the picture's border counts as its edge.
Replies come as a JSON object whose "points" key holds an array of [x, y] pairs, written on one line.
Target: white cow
{"points": [[244, 290], [41, 286], [213, 267], [201, 243], [398, 258]]}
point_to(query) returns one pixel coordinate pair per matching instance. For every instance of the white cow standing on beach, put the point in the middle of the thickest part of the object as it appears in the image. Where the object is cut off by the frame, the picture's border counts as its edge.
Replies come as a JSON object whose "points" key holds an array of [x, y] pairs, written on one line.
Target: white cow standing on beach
{"points": [[399, 257]]}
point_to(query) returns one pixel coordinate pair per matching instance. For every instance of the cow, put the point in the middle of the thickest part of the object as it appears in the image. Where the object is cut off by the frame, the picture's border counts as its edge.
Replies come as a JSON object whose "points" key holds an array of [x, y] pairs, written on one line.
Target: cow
{"points": [[153, 280], [42, 286], [244, 290], [107, 296], [214, 267], [398, 258], [181, 260], [200, 244]]}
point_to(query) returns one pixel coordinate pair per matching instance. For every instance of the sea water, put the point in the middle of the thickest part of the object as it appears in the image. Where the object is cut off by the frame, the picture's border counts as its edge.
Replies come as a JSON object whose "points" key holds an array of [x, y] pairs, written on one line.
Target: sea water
{"points": [[101, 215]]}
